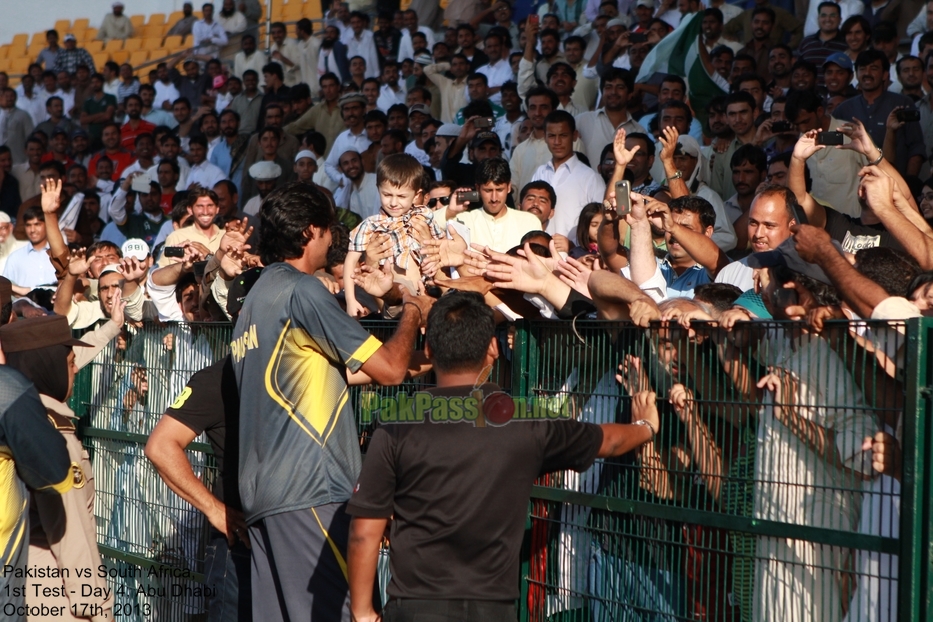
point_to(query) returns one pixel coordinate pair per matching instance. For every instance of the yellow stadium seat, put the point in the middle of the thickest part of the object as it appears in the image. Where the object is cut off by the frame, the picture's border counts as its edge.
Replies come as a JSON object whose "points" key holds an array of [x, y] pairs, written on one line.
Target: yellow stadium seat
{"points": [[19, 65], [63, 26], [94, 47], [313, 9], [131, 45], [4, 51], [81, 24], [113, 45], [37, 37], [100, 59], [173, 17], [152, 43], [139, 57], [156, 19], [20, 40], [137, 20], [120, 56], [174, 42], [4, 64], [90, 34], [34, 49], [293, 11]]}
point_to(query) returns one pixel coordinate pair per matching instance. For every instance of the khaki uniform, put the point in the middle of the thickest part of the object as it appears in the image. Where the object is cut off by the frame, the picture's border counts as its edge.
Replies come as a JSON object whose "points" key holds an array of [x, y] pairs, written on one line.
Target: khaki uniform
{"points": [[63, 534]]}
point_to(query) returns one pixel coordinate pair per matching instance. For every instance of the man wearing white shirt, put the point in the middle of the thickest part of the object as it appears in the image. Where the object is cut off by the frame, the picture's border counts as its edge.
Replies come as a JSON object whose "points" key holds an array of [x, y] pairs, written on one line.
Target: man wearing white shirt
{"points": [[249, 58], [352, 108], [359, 194], [165, 89], [28, 100], [575, 183], [29, 266], [498, 71], [405, 47], [391, 92], [202, 172], [209, 36], [359, 42], [598, 128], [231, 20], [287, 53], [310, 47]]}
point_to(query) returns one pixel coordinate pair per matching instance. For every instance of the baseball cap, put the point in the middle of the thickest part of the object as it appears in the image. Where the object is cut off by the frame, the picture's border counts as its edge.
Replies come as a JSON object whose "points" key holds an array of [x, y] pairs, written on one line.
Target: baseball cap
{"points": [[449, 130], [422, 108], [485, 137], [841, 59], [265, 170], [647, 3], [219, 81], [306, 153], [70, 37], [423, 58], [134, 247], [687, 145], [351, 98], [616, 21], [80, 132], [38, 332], [786, 255], [240, 288]]}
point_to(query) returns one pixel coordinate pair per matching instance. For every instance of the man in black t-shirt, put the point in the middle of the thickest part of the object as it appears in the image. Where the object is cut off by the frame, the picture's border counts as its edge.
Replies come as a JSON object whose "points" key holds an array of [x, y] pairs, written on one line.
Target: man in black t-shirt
{"points": [[210, 404], [459, 491]]}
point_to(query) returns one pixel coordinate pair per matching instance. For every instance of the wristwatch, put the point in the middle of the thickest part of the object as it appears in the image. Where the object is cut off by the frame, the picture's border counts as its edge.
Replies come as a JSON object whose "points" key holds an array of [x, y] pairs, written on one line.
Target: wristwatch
{"points": [[880, 157], [645, 423], [677, 175]]}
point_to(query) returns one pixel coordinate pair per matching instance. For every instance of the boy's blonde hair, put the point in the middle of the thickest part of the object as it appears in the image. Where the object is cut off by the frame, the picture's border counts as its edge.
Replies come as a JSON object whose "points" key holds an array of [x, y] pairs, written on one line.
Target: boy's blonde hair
{"points": [[400, 170]]}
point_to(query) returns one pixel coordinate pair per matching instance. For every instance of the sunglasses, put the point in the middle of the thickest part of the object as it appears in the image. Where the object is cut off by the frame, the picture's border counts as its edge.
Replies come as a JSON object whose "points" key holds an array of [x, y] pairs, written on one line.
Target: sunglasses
{"points": [[445, 201]]}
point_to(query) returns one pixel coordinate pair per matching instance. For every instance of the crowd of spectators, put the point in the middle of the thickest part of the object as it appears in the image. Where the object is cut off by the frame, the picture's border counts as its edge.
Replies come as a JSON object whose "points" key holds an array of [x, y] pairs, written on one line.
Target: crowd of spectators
{"points": [[533, 162]]}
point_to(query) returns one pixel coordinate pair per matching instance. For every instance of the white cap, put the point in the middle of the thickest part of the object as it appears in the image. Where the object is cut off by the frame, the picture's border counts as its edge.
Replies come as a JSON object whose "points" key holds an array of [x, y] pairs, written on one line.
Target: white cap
{"points": [[5, 218], [306, 153], [116, 4], [265, 170], [114, 267], [616, 21], [134, 247], [647, 3], [448, 129]]}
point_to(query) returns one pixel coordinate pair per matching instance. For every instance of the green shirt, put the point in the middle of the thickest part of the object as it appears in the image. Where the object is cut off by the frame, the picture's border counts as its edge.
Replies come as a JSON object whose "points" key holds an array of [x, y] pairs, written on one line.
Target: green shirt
{"points": [[96, 106]]}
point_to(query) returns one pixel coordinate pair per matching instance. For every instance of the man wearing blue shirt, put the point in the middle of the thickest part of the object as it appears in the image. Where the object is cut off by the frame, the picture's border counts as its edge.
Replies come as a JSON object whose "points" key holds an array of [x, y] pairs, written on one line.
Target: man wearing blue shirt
{"points": [[30, 266]]}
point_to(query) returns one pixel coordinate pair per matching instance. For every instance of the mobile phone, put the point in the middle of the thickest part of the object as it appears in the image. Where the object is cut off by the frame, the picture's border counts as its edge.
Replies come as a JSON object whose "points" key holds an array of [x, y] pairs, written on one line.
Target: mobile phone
{"points": [[174, 251], [484, 123], [140, 183], [785, 297], [534, 19], [638, 37], [471, 196], [908, 115], [778, 127], [829, 138], [623, 198]]}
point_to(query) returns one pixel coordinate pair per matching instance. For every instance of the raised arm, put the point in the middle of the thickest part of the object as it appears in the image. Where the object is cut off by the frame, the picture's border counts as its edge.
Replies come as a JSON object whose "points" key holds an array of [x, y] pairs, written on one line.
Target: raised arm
{"points": [[668, 140], [796, 178]]}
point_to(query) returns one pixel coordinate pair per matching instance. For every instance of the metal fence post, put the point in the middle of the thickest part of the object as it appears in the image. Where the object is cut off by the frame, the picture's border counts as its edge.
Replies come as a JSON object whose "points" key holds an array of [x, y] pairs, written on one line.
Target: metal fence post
{"points": [[524, 371], [914, 589]]}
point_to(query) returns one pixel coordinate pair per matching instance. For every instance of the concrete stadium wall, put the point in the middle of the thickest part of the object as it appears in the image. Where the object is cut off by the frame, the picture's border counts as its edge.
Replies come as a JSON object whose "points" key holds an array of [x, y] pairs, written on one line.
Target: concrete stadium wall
{"points": [[30, 16]]}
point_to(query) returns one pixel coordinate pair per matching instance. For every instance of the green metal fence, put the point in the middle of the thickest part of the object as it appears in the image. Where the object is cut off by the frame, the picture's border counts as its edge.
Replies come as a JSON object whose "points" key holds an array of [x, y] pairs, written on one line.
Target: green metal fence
{"points": [[742, 509]]}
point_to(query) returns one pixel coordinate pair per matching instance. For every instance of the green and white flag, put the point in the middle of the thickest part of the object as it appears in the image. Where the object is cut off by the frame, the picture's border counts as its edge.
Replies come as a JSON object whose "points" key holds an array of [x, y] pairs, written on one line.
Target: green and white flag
{"points": [[679, 54]]}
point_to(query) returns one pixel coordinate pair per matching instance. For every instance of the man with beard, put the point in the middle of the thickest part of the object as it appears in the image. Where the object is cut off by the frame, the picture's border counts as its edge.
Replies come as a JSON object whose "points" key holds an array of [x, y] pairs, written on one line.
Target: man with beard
{"points": [[210, 129], [146, 225], [598, 128], [390, 93], [466, 40], [249, 58], [828, 41], [144, 150], [332, 59], [780, 60], [231, 20], [288, 145], [740, 28], [152, 114], [265, 175], [760, 43], [873, 106], [711, 27], [323, 117], [452, 88], [910, 76], [550, 51], [183, 26], [229, 152], [120, 157], [285, 52], [202, 206], [359, 194], [135, 124]]}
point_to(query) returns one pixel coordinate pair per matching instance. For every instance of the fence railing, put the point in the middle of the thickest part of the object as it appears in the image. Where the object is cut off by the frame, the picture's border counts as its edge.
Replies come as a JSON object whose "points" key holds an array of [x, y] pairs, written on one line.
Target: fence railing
{"points": [[754, 502]]}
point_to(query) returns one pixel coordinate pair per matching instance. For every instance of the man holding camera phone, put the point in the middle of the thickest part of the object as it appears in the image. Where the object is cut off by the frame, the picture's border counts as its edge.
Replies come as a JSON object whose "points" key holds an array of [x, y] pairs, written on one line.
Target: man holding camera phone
{"points": [[874, 105]]}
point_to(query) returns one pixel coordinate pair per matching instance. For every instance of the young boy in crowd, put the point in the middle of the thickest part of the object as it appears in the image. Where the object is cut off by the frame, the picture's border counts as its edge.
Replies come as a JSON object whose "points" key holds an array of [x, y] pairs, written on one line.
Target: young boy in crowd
{"points": [[399, 180]]}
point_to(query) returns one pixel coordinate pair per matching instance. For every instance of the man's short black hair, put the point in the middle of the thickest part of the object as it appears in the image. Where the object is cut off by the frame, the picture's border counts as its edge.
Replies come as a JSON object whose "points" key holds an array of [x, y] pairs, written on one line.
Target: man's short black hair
{"points": [[741, 97], [746, 58], [617, 73], [698, 205], [172, 162], [286, 215], [648, 146], [33, 212], [897, 65], [673, 78], [478, 76], [198, 140], [339, 244], [679, 105], [764, 10], [719, 296], [884, 32], [561, 65], [493, 170], [539, 185], [274, 69], [721, 49], [748, 77], [55, 165], [376, 115], [806, 66], [317, 141], [561, 116], [459, 330], [715, 13], [801, 101], [871, 55], [752, 154], [542, 91], [890, 268]]}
